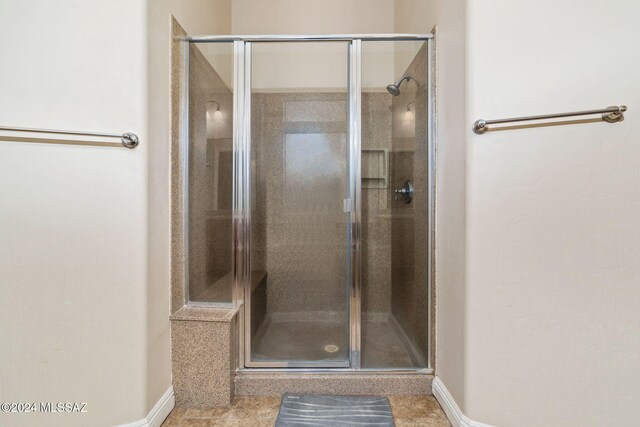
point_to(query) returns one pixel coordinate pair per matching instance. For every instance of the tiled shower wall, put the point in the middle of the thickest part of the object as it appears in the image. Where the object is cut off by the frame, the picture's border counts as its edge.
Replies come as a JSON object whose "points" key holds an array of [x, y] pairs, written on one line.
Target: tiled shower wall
{"points": [[298, 224], [297, 137], [376, 204]]}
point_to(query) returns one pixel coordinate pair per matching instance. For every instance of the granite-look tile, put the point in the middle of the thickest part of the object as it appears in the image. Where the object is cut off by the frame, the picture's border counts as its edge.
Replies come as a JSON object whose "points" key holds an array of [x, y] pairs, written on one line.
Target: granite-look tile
{"points": [[206, 413], [205, 314], [187, 422], [257, 403], [225, 422], [253, 408], [247, 422], [357, 385], [422, 422], [261, 411], [261, 422], [301, 336], [203, 362], [237, 414], [299, 242], [174, 418], [171, 423], [415, 407]]}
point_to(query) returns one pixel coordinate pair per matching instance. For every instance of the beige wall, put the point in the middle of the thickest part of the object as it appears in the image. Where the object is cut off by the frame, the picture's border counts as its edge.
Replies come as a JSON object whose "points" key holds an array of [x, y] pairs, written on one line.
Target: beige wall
{"points": [[537, 237], [196, 17], [73, 218], [553, 237], [316, 66], [449, 15], [84, 269], [450, 197], [411, 16], [312, 17]]}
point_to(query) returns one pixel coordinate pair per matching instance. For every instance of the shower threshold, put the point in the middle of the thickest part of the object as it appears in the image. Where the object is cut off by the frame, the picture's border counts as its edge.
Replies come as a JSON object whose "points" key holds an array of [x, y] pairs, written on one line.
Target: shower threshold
{"points": [[278, 381]]}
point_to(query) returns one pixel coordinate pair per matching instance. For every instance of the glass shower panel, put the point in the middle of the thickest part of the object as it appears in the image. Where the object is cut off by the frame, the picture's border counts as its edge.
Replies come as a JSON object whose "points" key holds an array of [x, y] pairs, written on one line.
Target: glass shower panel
{"points": [[298, 301], [394, 227], [210, 165]]}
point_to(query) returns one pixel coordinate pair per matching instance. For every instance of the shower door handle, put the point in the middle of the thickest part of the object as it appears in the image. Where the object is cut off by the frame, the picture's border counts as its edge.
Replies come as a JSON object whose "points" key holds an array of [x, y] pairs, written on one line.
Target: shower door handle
{"points": [[405, 191]]}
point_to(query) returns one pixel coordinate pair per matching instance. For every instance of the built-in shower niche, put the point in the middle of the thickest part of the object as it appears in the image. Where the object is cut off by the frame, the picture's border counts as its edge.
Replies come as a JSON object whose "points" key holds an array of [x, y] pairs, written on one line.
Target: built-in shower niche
{"points": [[375, 168]]}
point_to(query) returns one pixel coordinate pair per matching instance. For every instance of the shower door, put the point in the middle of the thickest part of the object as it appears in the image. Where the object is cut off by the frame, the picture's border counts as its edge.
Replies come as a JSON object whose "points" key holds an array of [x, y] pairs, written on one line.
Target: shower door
{"points": [[297, 297]]}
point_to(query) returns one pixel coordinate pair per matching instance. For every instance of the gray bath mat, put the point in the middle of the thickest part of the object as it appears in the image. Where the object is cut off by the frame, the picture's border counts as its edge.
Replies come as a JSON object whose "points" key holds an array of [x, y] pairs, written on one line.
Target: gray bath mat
{"points": [[334, 411]]}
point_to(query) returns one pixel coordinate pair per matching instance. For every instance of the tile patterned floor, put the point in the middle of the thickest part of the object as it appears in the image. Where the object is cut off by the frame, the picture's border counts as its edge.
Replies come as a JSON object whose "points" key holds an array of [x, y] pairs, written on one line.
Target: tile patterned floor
{"points": [[261, 411]]}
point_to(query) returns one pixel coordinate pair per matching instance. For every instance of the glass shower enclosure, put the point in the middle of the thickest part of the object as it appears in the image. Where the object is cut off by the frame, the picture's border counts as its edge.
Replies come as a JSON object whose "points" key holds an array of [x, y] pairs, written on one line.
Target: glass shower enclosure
{"points": [[309, 196]]}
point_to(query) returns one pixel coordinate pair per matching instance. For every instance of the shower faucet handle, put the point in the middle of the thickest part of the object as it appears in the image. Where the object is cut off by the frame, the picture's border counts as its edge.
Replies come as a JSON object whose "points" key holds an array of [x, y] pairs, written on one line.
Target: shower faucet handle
{"points": [[405, 191]]}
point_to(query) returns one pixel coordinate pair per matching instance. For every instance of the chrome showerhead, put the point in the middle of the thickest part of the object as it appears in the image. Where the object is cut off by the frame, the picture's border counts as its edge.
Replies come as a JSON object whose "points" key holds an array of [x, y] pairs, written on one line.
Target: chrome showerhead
{"points": [[394, 89]]}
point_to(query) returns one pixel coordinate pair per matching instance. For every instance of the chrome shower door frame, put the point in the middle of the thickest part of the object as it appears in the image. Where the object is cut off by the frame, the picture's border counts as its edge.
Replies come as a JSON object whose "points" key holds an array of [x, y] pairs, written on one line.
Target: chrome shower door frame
{"points": [[355, 185], [242, 197], [242, 140]]}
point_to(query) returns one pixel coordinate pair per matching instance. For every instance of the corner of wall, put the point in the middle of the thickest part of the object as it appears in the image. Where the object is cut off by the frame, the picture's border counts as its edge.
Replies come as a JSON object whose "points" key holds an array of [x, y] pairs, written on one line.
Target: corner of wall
{"points": [[451, 197], [212, 17]]}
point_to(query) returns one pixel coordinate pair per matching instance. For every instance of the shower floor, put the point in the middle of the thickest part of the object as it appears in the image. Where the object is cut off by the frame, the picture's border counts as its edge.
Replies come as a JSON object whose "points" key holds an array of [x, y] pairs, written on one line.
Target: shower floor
{"points": [[301, 337], [307, 337], [385, 344]]}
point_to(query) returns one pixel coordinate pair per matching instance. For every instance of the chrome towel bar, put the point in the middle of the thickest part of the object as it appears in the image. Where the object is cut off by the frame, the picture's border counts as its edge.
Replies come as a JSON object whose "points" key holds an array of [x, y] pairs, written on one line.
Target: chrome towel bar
{"points": [[610, 115], [128, 139]]}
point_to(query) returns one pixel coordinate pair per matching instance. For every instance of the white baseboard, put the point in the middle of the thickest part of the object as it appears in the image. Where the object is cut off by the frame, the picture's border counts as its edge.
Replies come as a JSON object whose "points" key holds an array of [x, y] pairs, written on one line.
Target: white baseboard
{"points": [[451, 408], [158, 413]]}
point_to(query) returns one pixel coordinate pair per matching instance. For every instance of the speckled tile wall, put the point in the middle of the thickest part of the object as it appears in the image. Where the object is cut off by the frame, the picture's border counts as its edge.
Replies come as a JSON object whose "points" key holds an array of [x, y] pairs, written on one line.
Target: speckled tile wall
{"points": [[202, 356], [298, 223], [299, 147]]}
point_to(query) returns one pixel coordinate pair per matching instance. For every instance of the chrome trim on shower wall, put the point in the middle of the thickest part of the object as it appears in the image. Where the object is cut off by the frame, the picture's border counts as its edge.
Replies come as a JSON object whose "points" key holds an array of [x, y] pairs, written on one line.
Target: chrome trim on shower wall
{"points": [[306, 37], [245, 124], [238, 185], [355, 184], [431, 200], [246, 139], [237, 223], [247, 362]]}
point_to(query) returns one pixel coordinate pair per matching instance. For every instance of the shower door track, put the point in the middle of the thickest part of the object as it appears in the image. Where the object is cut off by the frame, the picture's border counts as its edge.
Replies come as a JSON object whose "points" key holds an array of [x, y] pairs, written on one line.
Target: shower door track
{"points": [[241, 223]]}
